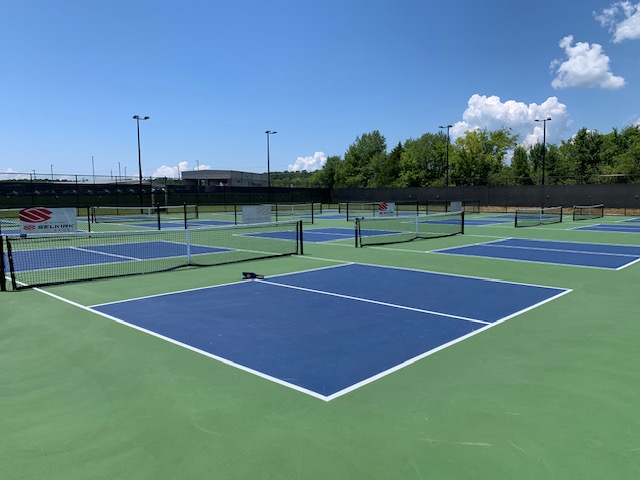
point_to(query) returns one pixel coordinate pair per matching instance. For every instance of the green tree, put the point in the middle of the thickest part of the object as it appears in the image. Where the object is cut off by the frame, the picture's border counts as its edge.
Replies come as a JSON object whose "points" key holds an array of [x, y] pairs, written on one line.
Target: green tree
{"points": [[479, 155], [521, 167], [621, 156], [388, 171], [422, 162], [361, 160], [326, 176], [583, 153]]}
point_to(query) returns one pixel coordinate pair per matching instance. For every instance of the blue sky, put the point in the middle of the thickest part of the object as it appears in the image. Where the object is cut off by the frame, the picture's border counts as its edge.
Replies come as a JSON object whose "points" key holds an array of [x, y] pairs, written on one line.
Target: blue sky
{"points": [[214, 75]]}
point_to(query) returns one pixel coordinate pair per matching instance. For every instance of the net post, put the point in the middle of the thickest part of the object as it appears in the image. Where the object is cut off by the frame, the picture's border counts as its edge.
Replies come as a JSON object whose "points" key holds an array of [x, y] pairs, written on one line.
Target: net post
{"points": [[14, 284], [357, 231], [312, 213], [184, 211], [3, 280], [462, 223], [89, 219], [560, 214], [158, 215], [301, 245]]}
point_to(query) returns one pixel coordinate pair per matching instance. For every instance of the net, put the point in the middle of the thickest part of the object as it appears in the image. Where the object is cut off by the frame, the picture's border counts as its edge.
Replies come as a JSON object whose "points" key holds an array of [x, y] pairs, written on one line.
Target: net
{"points": [[380, 231], [585, 212], [531, 217], [358, 209], [303, 211], [127, 214], [55, 259], [354, 210]]}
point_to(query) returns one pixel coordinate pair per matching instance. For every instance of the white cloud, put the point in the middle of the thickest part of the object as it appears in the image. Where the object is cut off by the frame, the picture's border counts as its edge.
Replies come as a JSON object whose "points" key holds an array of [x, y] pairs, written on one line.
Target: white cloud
{"points": [[174, 172], [491, 113], [622, 19], [310, 164], [586, 65]]}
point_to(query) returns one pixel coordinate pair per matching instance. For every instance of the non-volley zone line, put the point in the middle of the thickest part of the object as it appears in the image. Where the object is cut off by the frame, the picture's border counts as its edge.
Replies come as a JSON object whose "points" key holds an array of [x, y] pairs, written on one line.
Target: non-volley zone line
{"points": [[329, 331], [577, 254]]}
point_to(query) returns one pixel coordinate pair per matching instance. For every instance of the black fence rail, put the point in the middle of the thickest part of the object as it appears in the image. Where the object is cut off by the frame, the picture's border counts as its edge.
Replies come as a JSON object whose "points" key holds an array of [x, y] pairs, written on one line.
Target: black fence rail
{"points": [[623, 197], [82, 192]]}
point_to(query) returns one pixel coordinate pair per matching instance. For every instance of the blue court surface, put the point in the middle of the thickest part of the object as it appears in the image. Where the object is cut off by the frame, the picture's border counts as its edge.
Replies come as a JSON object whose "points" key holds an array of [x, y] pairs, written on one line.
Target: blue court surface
{"points": [[328, 331], [319, 235], [595, 255], [101, 254], [314, 235], [623, 227], [482, 221]]}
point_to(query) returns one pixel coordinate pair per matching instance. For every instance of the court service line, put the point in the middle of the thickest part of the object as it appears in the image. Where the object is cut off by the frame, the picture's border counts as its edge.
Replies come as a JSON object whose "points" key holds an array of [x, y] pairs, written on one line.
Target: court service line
{"points": [[376, 302], [106, 254]]}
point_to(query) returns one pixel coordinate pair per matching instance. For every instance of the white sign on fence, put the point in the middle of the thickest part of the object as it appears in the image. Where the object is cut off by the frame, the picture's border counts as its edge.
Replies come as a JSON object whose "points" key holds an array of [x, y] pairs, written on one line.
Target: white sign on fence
{"points": [[35, 220], [256, 213]]}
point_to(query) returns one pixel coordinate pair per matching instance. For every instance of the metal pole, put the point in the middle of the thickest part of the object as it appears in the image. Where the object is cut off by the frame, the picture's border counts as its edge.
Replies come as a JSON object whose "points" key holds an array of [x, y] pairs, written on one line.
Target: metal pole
{"points": [[446, 173], [544, 143], [93, 170], [269, 133], [137, 119]]}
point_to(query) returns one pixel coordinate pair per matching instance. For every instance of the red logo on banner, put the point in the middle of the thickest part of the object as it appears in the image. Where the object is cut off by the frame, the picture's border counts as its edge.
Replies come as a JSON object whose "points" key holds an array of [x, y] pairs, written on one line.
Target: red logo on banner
{"points": [[382, 206], [35, 215]]}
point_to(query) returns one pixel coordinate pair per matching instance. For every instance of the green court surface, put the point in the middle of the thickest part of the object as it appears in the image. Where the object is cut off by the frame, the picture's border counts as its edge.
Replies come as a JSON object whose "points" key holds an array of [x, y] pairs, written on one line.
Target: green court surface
{"points": [[552, 393]]}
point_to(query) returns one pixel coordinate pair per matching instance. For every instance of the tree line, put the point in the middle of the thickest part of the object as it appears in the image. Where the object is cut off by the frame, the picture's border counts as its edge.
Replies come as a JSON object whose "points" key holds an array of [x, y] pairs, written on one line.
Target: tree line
{"points": [[479, 157]]}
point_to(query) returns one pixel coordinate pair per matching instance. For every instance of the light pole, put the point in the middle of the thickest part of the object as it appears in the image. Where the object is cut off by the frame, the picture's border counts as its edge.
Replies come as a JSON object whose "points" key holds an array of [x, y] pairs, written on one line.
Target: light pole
{"points": [[544, 142], [119, 174], [269, 133], [93, 170], [446, 174], [137, 118], [52, 172]]}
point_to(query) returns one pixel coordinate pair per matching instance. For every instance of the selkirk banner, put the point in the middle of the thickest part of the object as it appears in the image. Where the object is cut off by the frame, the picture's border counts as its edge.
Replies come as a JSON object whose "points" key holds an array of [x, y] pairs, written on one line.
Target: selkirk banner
{"points": [[36, 220]]}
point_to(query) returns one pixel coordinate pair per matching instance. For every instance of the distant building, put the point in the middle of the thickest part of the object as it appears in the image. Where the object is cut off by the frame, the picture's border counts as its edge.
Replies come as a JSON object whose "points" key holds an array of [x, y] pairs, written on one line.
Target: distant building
{"points": [[229, 178]]}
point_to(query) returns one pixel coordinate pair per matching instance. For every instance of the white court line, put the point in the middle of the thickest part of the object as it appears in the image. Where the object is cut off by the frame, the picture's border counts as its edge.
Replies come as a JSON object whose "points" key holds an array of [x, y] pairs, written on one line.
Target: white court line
{"points": [[293, 386], [176, 292], [439, 347], [540, 262], [376, 302], [125, 257], [187, 346], [583, 252]]}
